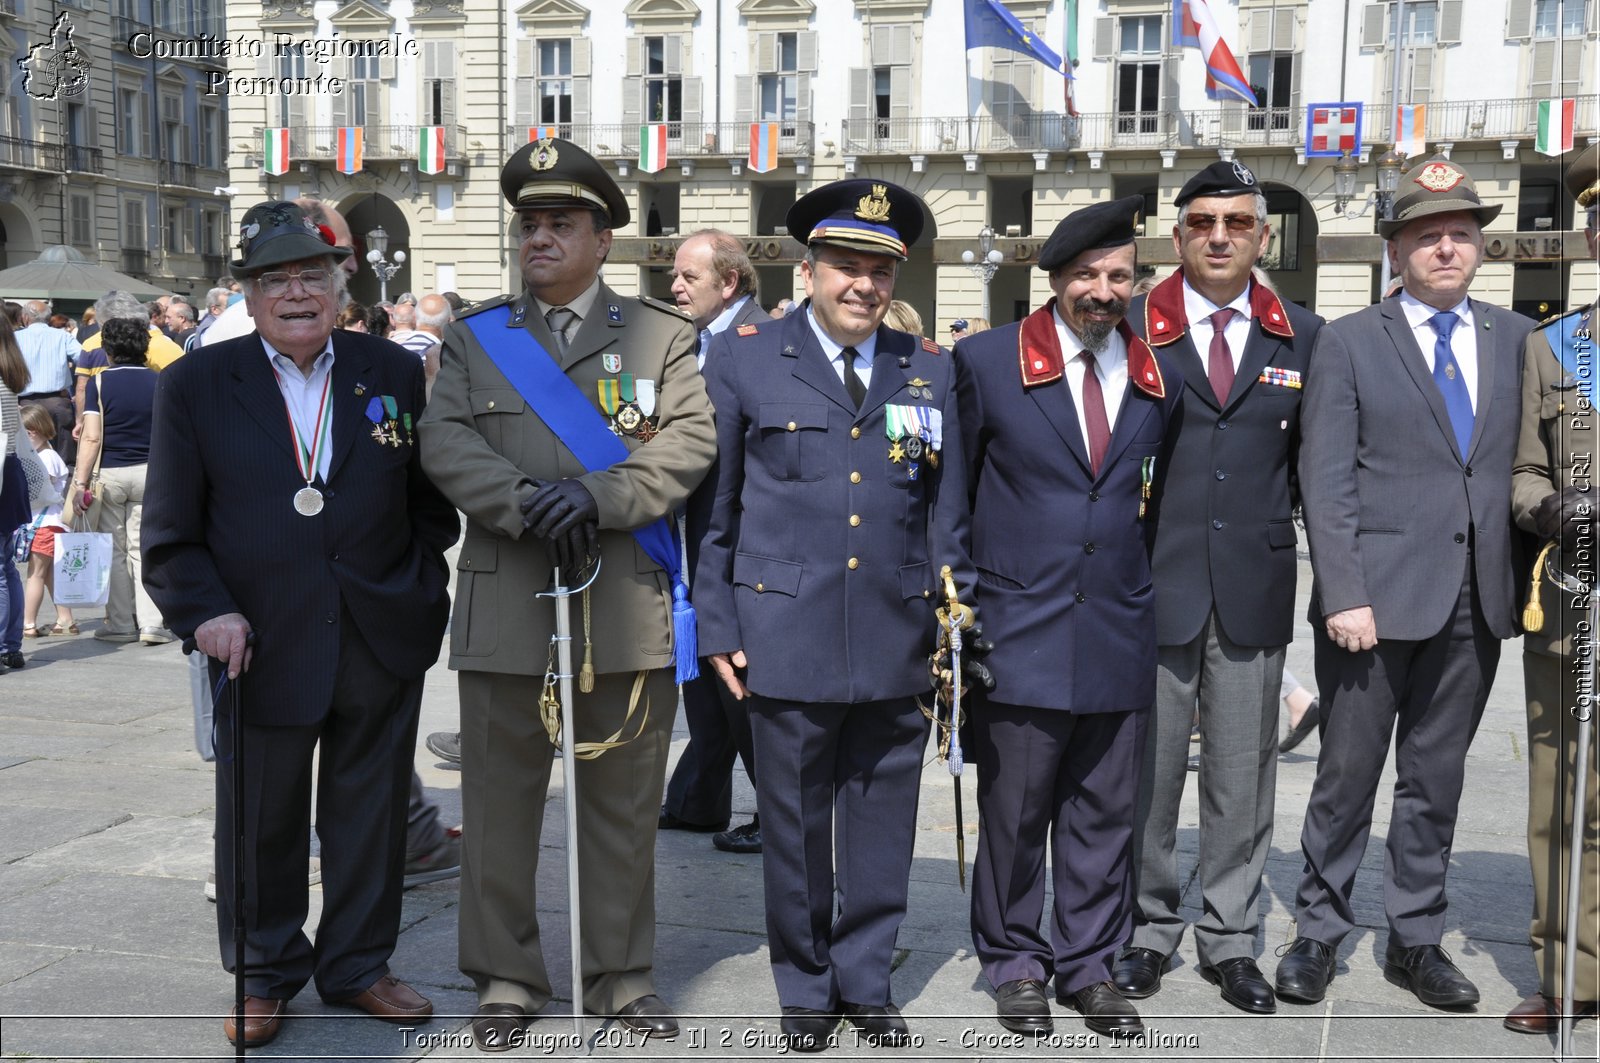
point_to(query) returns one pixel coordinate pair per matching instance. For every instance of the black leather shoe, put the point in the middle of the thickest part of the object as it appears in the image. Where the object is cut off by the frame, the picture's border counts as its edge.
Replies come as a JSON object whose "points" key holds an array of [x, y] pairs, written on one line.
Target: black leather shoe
{"points": [[1021, 1007], [498, 1027], [1308, 723], [1305, 971], [1104, 1010], [806, 1030], [650, 1016], [1138, 974], [880, 1024], [1243, 985], [745, 840], [667, 821], [1426, 970]]}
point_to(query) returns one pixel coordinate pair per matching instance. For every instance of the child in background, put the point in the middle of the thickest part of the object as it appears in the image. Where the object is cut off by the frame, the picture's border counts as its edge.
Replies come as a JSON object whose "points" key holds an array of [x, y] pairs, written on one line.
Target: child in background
{"points": [[36, 420]]}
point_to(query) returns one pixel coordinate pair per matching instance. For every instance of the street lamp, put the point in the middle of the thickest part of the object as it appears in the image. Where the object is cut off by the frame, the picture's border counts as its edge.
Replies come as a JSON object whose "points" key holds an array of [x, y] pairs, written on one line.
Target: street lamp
{"points": [[984, 264], [1345, 172], [377, 244]]}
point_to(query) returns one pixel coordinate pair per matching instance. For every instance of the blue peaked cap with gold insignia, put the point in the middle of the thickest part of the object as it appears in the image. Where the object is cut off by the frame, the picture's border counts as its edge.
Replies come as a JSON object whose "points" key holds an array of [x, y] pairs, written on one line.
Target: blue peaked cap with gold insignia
{"points": [[861, 214]]}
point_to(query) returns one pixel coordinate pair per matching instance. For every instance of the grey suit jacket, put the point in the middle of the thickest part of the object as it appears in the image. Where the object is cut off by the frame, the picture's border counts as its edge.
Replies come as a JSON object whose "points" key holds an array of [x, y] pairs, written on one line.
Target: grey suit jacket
{"points": [[1392, 511]]}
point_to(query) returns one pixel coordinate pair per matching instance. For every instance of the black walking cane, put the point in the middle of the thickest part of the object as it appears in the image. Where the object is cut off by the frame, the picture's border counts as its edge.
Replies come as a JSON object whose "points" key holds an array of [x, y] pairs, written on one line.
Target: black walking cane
{"points": [[236, 721]]}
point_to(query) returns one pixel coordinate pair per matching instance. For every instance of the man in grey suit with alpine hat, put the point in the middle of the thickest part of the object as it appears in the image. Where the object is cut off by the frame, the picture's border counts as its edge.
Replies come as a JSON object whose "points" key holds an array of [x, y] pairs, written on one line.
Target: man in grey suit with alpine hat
{"points": [[1408, 429]]}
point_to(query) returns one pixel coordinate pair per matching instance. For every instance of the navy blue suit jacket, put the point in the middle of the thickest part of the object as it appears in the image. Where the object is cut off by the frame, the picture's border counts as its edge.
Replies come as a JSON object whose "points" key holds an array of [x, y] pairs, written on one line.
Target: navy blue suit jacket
{"points": [[822, 555], [1061, 554], [1226, 537], [221, 534]]}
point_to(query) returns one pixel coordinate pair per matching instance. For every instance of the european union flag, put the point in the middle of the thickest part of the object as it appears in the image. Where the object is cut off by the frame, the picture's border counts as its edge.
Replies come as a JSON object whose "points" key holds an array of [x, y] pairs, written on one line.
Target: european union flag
{"points": [[990, 25]]}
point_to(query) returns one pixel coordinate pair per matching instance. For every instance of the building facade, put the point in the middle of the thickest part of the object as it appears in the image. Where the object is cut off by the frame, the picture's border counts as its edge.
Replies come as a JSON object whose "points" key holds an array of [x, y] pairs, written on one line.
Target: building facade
{"points": [[110, 142], [885, 88]]}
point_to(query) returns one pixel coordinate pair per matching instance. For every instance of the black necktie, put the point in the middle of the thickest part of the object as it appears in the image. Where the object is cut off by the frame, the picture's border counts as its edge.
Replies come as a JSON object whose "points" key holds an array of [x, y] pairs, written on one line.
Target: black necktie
{"points": [[852, 380]]}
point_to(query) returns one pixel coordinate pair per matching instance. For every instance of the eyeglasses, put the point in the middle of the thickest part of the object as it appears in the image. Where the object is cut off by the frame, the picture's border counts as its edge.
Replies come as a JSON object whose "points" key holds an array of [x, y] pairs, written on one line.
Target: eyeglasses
{"points": [[313, 281], [1205, 223]]}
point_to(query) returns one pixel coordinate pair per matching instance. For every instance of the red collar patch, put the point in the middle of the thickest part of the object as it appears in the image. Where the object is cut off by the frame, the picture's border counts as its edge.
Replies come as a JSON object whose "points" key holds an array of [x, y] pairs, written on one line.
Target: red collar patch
{"points": [[1041, 361], [1165, 319], [929, 346]]}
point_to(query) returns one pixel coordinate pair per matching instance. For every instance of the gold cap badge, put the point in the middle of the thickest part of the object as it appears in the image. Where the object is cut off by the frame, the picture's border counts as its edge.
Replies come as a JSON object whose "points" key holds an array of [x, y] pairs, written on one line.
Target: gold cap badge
{"points": [[544, 156], [874, 207], [1439, 177]]}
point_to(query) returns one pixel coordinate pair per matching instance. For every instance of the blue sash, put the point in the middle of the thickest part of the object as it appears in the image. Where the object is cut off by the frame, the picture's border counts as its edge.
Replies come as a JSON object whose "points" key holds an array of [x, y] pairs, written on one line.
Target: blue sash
{"points": [[1561, 334], [570, 414]]}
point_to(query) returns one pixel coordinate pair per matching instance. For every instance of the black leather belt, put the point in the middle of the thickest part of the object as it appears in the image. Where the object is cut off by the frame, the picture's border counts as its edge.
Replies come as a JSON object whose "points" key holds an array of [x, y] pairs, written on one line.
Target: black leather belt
{"points": [[64, 393]]}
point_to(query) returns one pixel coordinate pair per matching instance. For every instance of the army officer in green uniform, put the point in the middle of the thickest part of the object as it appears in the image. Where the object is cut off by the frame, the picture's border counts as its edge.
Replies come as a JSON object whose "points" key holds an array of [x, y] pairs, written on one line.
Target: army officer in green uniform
{"points": [[490, 442], [1553, 496]]}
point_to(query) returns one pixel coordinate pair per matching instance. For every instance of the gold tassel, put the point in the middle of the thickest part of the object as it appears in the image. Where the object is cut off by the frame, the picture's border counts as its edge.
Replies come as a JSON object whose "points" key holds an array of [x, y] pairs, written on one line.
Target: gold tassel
{"points": [[1533, 612], [586, 673]]}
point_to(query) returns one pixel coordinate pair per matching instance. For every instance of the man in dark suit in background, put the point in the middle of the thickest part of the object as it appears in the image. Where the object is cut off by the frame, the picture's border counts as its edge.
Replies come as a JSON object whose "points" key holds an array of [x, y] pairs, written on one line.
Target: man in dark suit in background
{"points": [[839, 493], [1224, 572], [285, 498], [1063, 416], [1409, 423], [715, 284]]}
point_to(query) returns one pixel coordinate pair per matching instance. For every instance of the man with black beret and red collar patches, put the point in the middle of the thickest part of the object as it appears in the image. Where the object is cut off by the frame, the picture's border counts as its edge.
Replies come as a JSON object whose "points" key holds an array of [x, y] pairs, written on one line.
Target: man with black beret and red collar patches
{"points": [[1064, 417], [1224, 577]]}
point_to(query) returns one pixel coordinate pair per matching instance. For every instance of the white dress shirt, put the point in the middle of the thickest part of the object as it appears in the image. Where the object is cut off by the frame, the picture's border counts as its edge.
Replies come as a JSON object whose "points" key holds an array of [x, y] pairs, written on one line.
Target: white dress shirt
{"points": [[865, 350], [1463, 341], [1198, 309], [1111, 366], [302, 394]]}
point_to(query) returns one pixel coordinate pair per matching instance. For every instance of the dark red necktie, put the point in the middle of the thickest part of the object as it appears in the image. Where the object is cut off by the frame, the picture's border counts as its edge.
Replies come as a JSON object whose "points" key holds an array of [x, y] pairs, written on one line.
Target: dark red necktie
{"points": [[1219, 361], [1094, 414]]}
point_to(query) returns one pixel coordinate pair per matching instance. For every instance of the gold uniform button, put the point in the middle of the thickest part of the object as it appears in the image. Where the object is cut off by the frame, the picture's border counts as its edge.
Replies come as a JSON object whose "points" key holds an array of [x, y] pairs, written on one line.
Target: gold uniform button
{"points": [[760, 587], [855, 520], [925, 592], [792, 426], [855, 433], [855, 563], [855, 477], [490, 406]]}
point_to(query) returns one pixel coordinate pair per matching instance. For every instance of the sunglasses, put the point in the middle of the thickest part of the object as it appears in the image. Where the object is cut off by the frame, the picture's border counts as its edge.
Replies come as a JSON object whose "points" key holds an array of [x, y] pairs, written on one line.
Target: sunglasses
{"points": [[1205, 223]]}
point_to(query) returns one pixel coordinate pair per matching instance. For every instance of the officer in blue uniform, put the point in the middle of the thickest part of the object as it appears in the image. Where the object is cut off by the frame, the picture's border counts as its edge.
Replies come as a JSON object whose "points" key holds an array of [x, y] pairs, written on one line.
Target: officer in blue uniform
{"points": [[1064, 416], [839, 494]]}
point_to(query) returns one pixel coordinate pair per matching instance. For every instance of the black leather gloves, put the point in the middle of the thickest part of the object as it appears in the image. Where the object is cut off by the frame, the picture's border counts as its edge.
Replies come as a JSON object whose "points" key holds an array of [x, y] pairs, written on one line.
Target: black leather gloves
{"points": [[565, 515], [974, 648], [1566, 514]]}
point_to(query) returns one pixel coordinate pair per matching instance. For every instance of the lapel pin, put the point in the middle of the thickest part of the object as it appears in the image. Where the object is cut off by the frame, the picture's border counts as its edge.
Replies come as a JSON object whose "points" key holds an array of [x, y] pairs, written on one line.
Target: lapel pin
{"points": [[361, 389]]}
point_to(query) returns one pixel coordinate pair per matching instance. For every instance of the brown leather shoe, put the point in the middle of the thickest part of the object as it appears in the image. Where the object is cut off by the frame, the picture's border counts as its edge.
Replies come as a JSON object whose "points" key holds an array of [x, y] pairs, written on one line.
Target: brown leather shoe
{"points": [[391, 1000], [263, 1020], [1542, 1014]]}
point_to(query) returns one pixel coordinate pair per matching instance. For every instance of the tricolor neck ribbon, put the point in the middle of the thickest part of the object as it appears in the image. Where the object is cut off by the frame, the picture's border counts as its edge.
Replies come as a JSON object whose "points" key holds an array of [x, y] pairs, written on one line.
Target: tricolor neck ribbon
{"points": [[309, 458]]}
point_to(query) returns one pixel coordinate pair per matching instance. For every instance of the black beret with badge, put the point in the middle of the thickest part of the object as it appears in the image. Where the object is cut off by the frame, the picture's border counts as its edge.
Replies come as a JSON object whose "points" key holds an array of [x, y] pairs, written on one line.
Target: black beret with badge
{"points": [[553, 173], [276, 232], [1218, 179], [1583, 177], [1437, 186], [862, 215], [1109, 224]]}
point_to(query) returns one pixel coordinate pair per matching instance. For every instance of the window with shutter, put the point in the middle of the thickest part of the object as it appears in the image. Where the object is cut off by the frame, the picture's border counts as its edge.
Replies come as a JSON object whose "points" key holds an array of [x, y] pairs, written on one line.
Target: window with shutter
{"points": [[554, 104], [859, 113], [1138, 77], [663, 81], [1559, 18], [82, 210], [1519, 19], [1374, 26], [779, 88], [1450, 22], [886, 88], [133, 231], [439, 83]]}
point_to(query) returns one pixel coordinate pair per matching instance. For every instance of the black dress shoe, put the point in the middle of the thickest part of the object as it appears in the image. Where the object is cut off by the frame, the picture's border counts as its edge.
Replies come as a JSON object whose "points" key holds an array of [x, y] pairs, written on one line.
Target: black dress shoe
{"points": [[1104, 1010], [1021, 1007], [498, 1027], [745, 840], [1305, 971], [1243, 985], [807, 1030], [1297, 733], [1138, 974], [650, 1016], [1426, 970], [667, 821], [881, 1025]]}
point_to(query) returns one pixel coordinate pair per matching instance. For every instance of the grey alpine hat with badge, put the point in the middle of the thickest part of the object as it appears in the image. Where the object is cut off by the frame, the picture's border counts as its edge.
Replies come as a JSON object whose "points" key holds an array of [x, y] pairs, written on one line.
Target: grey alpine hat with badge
{"points": [[1437, 186], [276, 232]]}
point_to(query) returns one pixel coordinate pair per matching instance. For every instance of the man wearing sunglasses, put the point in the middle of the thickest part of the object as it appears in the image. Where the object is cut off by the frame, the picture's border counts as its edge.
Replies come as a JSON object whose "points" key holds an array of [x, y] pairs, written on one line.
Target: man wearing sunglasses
{"points": [[286, 500], [1224, 578]]}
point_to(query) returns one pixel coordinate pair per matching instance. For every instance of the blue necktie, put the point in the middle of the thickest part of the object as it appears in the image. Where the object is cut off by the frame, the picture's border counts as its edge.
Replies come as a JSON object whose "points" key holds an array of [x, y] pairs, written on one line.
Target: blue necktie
{"points": [[1447, 374]]}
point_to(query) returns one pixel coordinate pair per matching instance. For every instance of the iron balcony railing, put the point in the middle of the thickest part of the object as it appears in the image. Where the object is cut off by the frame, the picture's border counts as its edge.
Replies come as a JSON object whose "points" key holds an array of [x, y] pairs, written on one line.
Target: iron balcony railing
{"points": [[684, 139], [179, 173], [378, 142]]}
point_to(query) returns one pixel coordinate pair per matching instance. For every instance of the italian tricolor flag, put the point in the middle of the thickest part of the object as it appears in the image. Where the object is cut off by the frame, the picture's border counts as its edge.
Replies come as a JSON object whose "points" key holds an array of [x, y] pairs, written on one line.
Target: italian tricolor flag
{"points": [[430, 148], [1555, 126], [652, 147], [275, 151]]}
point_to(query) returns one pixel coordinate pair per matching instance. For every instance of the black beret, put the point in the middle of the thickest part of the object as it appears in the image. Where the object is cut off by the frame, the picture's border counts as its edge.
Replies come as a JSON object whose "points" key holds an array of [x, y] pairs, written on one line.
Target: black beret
{"points": [[1583, 177], [1109, 224], [860, 214], [276, 232], [554, 173], [1218, 179]]}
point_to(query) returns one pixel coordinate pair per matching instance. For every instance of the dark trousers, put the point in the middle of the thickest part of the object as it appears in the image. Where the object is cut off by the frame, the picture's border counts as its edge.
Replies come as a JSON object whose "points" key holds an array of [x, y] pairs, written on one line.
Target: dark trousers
{"points": [[701, 788], [1069, 781], [363, 779], [1429, 694], [838, 792]]}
